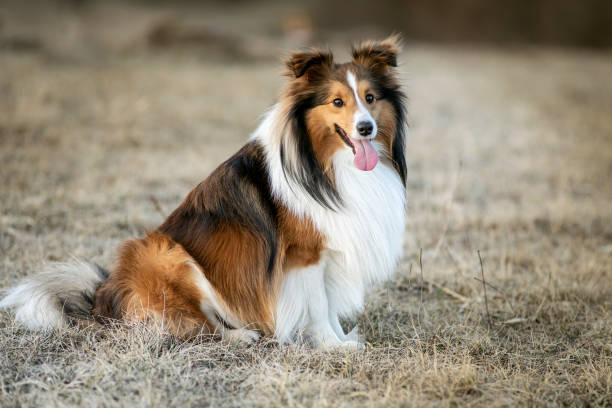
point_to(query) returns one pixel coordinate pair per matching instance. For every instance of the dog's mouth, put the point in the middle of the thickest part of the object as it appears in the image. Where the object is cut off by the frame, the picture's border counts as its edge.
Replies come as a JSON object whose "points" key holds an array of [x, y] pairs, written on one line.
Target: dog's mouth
{"points": [[344, 137], [366, 157]]}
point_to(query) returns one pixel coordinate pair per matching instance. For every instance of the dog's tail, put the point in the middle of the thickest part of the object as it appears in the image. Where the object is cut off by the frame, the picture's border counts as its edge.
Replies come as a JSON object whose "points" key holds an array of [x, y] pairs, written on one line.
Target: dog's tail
{"points": [[61, 291]]}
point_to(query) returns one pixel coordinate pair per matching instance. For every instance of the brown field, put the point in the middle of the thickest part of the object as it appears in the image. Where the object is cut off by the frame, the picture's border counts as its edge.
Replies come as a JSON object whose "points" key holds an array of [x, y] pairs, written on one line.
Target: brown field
{"points": [[509, 153]]}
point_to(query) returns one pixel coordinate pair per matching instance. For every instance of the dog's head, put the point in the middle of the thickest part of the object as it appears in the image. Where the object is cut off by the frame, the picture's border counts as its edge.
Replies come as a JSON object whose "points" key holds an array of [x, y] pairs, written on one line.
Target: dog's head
{"points": [[351, 111]]}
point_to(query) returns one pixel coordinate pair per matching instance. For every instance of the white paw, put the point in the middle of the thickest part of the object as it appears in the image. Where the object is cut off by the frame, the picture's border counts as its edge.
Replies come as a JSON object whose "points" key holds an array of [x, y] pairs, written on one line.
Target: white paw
{"points": [[244, 336], [324, 339], [332, 342], [325, 343]]}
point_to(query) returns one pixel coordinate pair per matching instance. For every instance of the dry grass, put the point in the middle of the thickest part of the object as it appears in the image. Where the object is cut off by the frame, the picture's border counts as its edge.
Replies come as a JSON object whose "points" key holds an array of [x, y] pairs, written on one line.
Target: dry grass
{"points": [[509, 153]]}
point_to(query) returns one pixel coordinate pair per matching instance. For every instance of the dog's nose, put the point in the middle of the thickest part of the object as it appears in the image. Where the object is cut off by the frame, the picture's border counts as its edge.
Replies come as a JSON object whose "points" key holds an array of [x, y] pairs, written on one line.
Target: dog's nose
{"points": [[365, 127]]}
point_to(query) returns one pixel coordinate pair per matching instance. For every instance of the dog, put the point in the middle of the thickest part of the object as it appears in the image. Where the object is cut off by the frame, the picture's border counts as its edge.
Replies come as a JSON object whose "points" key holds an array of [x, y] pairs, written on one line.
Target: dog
{"points": [[283, 239]]}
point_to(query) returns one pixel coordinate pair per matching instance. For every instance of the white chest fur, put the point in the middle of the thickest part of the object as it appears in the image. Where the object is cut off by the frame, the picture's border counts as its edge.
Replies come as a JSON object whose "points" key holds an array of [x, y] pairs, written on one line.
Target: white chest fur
{"points": [[365, 236]]}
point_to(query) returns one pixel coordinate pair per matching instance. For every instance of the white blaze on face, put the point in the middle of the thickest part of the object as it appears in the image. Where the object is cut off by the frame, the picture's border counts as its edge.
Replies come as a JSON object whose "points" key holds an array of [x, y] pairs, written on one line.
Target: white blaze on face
{"points": [[366, 156], [362, 113]]}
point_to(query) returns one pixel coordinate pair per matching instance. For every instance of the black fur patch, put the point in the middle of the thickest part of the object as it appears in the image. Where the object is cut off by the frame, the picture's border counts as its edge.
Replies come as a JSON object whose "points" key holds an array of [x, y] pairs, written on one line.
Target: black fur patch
{"points": [[79, 307], [102, 273], [387, 90], [237, 193], [308, 172], [263, 217]]}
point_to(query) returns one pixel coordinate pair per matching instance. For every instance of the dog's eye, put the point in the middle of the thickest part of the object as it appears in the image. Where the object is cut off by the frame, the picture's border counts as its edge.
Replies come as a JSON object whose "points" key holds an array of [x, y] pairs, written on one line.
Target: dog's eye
{"points": [[369, 98], [338, 103]]}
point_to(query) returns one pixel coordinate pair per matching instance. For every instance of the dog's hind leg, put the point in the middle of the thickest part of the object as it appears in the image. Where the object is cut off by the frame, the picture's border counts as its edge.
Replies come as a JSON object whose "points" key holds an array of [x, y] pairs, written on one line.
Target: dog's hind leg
{"points": [[156, 279], [153, 281], [224, 322], [343, 297]]}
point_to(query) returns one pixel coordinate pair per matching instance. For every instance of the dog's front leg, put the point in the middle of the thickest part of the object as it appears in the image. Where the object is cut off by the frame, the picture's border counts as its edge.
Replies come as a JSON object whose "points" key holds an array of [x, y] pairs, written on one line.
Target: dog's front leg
{"points": [[302, 308], [342, 295], [320, 330]]}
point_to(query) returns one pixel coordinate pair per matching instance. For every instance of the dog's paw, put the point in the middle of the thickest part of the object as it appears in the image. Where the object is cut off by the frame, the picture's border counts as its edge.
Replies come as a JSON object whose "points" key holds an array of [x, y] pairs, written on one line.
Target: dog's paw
{"points": [[327, 341], [243, 336], [338, 344]]}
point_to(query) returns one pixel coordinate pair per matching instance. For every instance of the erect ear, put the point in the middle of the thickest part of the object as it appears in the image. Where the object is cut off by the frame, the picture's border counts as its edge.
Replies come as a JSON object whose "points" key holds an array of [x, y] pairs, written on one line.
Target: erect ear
{"points": [[378, 54], [311, 64]]}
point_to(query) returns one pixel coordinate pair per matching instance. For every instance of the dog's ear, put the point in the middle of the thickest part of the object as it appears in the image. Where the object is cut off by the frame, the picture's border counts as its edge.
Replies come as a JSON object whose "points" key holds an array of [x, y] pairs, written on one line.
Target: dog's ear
{"points": [[310, 64], [378, 55]]}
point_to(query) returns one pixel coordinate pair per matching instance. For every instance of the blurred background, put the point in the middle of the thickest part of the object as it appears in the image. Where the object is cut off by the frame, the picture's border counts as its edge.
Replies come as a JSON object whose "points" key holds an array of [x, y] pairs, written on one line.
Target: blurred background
{"points": [[252, 29]]}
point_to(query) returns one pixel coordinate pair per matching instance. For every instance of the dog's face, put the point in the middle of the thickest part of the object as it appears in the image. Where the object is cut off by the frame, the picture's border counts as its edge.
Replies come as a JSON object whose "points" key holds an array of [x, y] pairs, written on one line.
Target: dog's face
{"points": [[351, 106]]}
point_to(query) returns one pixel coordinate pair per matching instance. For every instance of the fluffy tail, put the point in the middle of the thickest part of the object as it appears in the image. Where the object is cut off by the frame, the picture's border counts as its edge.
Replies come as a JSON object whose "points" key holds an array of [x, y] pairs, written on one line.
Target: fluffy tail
{"points": [[61, 290]]}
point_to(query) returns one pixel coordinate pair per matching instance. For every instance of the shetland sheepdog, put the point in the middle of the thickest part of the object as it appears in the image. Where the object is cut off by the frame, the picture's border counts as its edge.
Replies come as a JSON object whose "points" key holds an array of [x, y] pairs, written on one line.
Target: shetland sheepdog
{"points": [[283, 239]]}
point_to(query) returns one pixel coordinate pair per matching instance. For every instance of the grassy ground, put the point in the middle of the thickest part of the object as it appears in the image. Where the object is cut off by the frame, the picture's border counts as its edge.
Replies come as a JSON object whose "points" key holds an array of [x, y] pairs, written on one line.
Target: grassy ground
{"points": [[509, 154]]}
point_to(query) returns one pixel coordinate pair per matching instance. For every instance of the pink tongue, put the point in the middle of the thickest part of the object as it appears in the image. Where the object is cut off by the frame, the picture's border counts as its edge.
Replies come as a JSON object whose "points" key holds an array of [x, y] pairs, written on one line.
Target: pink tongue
{"points": [[365, 155]]}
